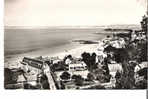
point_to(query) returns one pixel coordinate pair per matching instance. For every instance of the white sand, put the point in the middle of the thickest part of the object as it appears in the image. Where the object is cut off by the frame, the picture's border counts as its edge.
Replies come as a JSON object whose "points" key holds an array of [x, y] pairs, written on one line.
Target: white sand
{"points": [[78, 51]]}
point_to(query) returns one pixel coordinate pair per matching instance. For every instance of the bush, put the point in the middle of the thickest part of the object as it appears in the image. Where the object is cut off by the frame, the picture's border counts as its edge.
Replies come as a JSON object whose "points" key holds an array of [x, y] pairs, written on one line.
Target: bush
{"points": [[44, 82], [90, 77], [65, 76], [79, 80], [127, 80], [141, 84], [10, 76], [142, 52], [60, 66], [74, 77]]}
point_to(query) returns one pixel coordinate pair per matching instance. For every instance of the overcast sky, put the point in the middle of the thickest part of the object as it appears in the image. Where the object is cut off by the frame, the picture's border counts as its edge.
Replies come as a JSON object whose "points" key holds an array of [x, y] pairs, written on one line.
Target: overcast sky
{"points": [[72, 12]]}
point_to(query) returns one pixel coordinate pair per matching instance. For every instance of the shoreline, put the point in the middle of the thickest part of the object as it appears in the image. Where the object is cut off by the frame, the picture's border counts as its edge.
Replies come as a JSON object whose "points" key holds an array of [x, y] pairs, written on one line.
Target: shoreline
{"points": [[75, 51], [73, 48]]}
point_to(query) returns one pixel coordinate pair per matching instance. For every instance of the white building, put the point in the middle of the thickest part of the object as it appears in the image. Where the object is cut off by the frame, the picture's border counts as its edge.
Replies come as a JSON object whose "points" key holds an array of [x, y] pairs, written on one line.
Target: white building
{"points": [[113, 68], [140, 66], [78, 69], [77, 66]]}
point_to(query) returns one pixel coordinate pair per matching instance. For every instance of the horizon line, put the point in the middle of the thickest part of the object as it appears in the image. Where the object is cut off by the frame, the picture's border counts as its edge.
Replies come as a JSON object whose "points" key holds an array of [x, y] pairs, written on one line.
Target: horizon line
{"points": [[69, 25]]}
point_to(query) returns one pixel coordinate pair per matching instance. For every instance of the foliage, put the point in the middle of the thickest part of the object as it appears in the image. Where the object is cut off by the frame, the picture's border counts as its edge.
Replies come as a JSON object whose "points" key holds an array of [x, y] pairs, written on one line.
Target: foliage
{"points": [[74, 77], [126, 79], [65, 76], [144, 24], [124, 56], [120, 55], [90, 77], [44, 82], [60, 66], [9, 76], [118, 80], [90, 60], [62, 85], [86, 58], [141, 84], [142, 52], [105, 67], [79, 80], [66, 57]]}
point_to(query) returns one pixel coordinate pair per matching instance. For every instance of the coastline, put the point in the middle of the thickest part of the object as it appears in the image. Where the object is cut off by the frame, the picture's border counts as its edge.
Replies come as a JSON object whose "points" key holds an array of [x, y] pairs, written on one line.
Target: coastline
{"points": [[74, 49]]}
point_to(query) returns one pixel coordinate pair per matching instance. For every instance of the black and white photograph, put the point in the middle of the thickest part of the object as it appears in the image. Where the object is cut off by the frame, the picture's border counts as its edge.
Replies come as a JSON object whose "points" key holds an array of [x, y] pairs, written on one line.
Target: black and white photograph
{"points": [[75, 44]]}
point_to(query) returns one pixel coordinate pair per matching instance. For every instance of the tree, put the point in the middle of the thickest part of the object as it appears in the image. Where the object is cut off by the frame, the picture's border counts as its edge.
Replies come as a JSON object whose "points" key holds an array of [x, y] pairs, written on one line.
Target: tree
{"points": [[127, 77], [86, 57], [105, 67], [60, 66], [62, 85], [120, 55], [118, 80], [79, 80], [67, 57], [118, 75], [74, 77], [142, 84], [90, 60], [65, 76], [44, 82], [123, 56], [90, 77], [93, 61], [109, 48], [142, 52], [9, 76], [144, 24]]}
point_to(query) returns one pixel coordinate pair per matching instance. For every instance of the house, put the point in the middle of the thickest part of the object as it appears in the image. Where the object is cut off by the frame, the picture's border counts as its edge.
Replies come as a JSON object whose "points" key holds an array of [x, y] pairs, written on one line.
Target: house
{"points": [[113, 68], [32, 67], [141, 66], [68, 61], [79, 68], [36, 63]]}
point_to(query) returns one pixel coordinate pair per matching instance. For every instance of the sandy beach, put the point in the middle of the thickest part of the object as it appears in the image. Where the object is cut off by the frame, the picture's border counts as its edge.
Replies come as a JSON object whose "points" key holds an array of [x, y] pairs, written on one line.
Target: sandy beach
{"points": [[75, 52]]}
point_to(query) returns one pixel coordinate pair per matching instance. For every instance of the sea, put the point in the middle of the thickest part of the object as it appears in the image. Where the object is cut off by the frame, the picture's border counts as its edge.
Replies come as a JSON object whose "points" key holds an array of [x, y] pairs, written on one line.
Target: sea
{"points": [[35, 41]]}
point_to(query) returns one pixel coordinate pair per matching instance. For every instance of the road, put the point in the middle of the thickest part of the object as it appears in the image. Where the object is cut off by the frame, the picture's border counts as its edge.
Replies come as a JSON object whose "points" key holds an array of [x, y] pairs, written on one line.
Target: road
{"points": [[51, 82]]}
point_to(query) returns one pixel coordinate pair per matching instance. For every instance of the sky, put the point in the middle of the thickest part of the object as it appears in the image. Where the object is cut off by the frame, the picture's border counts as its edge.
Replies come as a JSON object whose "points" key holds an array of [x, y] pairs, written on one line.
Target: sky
{"points": [[72, 12]]}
